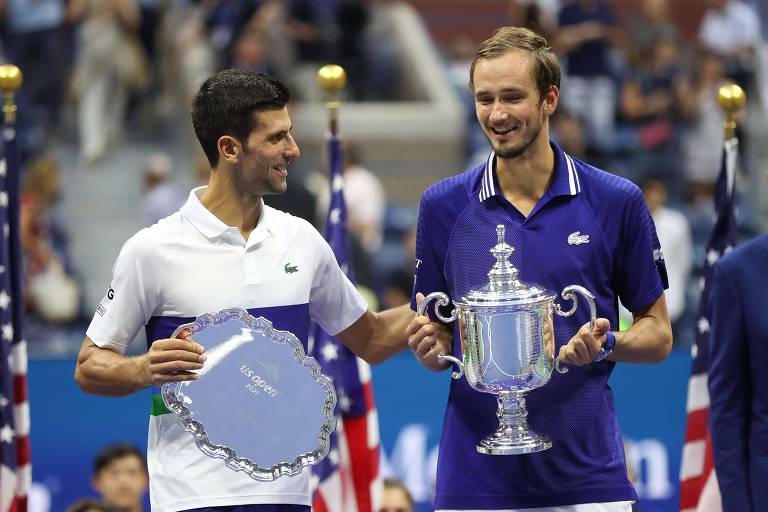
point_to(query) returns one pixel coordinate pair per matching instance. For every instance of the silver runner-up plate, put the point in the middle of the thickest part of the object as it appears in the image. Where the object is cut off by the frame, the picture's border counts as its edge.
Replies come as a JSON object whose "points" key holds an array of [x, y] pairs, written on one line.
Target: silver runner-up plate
{"points": [[259, 402]]}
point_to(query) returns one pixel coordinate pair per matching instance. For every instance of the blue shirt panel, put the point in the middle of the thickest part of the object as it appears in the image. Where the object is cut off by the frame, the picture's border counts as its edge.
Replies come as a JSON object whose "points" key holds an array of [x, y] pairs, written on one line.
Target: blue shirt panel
{"points": [[293, 318], [455, 232]]}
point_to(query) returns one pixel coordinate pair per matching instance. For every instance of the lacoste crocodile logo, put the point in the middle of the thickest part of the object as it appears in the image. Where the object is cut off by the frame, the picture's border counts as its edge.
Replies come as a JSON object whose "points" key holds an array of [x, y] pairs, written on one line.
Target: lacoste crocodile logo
{"points": [[576, 238], [290, 269]]}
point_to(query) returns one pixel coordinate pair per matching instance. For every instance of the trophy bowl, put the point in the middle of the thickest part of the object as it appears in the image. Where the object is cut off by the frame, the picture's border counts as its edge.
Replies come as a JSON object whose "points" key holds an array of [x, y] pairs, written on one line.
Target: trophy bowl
{"points": [[507, 337]]}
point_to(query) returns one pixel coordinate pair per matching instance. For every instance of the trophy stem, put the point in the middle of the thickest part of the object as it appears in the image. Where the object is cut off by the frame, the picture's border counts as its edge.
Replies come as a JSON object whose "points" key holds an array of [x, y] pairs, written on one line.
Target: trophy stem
{"points": [[513, 436]]}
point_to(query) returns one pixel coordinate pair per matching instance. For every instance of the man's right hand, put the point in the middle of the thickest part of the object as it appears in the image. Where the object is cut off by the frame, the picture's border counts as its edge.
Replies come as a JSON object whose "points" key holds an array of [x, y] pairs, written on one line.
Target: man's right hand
{"points": [[428, 340], [173, 360]]}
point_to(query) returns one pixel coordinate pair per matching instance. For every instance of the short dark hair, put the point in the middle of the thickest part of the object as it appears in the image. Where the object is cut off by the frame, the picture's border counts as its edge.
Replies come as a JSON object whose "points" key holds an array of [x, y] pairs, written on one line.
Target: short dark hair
{"points": [[116, 451], [89, 505], [546, 68], [225, 105]]}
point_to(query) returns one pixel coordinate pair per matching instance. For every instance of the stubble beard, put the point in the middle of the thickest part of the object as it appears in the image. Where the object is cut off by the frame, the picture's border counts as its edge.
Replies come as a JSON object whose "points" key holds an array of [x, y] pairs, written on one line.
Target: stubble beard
{"points": [[519, 150], [254, 189]]}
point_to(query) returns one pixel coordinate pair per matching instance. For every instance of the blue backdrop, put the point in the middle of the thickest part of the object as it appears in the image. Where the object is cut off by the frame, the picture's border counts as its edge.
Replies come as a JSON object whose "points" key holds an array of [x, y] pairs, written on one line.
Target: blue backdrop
{"points": [[70, 427]]}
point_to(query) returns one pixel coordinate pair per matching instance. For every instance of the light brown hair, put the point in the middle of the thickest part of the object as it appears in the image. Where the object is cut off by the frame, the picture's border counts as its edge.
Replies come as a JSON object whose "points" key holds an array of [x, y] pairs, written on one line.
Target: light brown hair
{"points": [[546, 68]]}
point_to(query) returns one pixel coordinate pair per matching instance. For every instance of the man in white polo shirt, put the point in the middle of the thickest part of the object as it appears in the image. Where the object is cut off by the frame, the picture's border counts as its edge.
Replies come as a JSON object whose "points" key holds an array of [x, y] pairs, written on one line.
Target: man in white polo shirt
{"points": [[226, 248]]}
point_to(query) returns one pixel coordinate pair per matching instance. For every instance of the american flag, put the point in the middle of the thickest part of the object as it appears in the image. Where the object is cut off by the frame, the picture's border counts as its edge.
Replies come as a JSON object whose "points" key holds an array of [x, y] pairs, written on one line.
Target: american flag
{"points": [[698, 483], [15, 466], [347, 480]]}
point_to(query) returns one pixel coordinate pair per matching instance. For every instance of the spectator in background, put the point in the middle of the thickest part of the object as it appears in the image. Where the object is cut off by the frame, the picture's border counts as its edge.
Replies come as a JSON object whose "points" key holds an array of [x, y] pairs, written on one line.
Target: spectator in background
{"points": [[651, 24], [703, 140], [537, 15], [250, 52], [311, 28], [40, 191], [90, 505], [674, 233], [352, 17], [586, 34], [382, 81], [52, 294], [226, 19], [655, 102], [355, 33], [397, 287], [568, 131], [193, 56], [151, 14], [161, 196], [458, 53], [38, 45], [731, 29], [110, 64], [396, 497], [120, 476], [365, 198], [398, 267], [297, 200]]}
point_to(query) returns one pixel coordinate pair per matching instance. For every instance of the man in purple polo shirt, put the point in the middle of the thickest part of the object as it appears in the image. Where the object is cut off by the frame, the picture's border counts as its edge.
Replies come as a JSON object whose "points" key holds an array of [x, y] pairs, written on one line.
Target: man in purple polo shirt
{"points": [[570, 224]]}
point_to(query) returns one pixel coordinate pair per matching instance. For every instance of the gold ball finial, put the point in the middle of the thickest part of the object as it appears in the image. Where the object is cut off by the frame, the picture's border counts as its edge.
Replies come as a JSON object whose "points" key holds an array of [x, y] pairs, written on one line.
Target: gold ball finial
{"points": [[731, 98], [10, 78], [332, 78]]}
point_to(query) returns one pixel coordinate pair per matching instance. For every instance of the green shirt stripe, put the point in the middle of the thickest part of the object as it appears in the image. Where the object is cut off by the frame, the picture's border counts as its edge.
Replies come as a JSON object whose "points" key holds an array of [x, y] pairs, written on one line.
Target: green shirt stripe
{"points": [[158, 406]]}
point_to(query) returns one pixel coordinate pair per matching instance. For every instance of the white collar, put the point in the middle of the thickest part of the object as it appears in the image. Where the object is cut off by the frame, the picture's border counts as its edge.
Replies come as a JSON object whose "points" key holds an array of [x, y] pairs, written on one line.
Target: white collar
{"points": [[212, 227]]}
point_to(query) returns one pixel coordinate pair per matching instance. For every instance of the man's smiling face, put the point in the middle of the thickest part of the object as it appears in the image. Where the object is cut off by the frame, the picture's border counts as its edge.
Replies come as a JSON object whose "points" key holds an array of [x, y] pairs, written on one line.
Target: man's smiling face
{"points": [[508, 105]]}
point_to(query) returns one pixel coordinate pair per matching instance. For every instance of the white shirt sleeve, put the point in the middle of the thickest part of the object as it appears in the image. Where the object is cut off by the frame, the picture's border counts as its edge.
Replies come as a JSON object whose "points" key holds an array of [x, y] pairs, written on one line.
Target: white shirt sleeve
{"points": [[334, 302], [131, 299]]}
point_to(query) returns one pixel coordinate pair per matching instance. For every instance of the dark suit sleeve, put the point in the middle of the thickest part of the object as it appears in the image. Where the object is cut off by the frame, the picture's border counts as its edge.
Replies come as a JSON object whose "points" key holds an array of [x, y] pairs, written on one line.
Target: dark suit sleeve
{"points": [[729, 388]]}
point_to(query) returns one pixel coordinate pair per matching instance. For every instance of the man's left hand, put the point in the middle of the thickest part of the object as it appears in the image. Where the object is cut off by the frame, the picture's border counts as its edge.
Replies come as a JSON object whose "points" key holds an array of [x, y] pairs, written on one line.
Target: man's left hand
{"points": [[584, 346]]}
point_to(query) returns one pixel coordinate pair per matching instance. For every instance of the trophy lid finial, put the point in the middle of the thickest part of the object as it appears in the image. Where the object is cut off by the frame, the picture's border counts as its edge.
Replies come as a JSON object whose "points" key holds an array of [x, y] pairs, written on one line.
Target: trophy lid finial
{"points": [[504, 288], [503, 272]]}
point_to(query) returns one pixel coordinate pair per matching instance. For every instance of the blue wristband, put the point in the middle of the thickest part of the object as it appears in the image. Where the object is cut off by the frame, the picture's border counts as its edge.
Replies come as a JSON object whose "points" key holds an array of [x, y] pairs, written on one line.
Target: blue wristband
{"points": [[610, 341], [607, 348]]}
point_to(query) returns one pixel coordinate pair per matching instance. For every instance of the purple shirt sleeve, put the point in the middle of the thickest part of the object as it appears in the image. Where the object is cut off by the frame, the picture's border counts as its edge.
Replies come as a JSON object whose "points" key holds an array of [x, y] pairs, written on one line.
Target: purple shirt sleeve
{"points": [[429, 254], [641, 273]]}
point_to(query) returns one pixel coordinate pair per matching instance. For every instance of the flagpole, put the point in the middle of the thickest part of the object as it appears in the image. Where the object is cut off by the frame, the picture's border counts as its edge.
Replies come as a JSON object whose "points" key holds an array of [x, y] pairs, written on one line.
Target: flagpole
{"points": [[332, 78], [732, 99], [10, 81]]}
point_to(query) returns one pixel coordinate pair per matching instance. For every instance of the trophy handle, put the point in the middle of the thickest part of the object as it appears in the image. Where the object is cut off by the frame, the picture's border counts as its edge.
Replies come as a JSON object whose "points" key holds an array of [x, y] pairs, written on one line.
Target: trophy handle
{"points": [[442, 300], [569, 293], [456, 374]]}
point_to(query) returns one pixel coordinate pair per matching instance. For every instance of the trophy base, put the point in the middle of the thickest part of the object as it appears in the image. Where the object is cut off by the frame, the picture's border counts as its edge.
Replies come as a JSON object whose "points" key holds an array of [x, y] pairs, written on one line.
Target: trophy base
{"points": [[519, 445]]}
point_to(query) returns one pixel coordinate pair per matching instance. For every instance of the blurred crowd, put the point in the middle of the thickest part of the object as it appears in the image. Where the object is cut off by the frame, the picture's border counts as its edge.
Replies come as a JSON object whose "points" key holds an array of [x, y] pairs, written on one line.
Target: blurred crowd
{"points": [[637, 99], [112, 59]]}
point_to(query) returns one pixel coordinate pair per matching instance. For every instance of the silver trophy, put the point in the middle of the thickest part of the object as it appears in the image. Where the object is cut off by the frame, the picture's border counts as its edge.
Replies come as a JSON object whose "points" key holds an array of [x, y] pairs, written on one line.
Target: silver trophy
{"points": [[507, 339]]}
